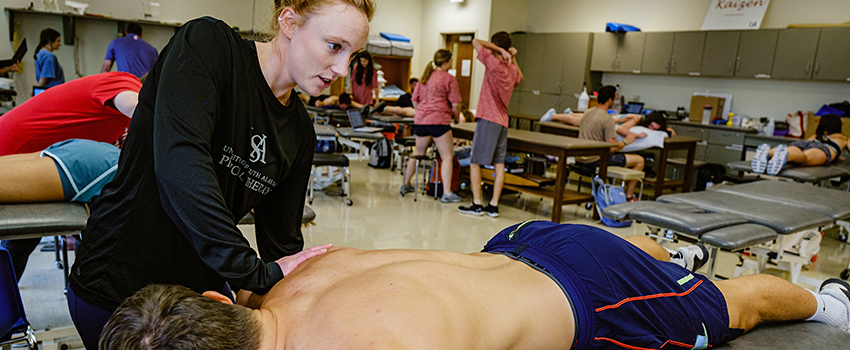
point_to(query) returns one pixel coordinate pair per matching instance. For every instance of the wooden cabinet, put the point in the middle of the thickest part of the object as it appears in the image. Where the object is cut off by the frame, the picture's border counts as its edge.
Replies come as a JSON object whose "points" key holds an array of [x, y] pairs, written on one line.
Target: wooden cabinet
{"points": [[687, 53], [675, 53], [554, 66], [720, 53], [831, 62], [617, 52], [795, 53], [396, 70], [657, 49], [755, 53]]}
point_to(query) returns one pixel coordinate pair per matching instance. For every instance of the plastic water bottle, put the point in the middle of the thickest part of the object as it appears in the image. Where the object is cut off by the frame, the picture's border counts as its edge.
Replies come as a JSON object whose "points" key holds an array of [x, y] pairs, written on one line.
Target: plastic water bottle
{"points": [[583, 99]]}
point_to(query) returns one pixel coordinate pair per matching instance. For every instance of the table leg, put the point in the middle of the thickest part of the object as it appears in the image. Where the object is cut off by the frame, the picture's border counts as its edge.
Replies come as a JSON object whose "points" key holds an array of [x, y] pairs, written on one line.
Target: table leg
{"points": [[560, 180], [689, 167], [659, 172]]}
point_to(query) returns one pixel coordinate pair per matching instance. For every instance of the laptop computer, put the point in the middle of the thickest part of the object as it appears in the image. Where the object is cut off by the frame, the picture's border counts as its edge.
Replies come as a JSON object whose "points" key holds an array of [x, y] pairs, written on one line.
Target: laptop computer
{"points": [[19, 54], [357, 123], [633, 107]]}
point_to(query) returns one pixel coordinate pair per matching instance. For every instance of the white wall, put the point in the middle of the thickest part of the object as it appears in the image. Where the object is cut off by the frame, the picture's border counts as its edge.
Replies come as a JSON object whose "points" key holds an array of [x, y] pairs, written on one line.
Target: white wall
{"points": [[443, 17], [93, 35], [752, 97]]}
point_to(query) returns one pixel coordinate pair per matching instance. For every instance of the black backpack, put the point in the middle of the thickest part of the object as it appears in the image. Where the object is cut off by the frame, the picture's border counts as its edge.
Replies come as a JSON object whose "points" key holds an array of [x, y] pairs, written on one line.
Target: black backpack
{"points": [[711, 172], [379, 154]]}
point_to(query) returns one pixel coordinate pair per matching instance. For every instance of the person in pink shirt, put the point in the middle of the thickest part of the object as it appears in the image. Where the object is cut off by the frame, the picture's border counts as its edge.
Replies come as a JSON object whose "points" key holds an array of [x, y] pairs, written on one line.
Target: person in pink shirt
{"points": [[436, 99], [364, 79], [490, 143]]}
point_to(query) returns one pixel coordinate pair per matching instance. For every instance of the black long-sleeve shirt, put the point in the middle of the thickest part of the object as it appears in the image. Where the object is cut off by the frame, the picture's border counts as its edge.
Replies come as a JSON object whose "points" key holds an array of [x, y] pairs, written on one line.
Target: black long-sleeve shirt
{"points": [[208, 142]]}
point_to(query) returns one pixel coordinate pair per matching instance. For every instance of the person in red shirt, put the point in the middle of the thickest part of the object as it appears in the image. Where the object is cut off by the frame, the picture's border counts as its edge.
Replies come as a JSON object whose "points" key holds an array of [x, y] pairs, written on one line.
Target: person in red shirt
{"points": [[97, 107], [436, 101], [364, 79], [490, 143]]}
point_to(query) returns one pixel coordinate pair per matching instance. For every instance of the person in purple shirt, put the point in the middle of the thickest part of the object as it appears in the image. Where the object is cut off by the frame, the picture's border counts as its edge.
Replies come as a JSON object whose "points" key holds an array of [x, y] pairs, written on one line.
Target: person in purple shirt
{"points": [[131, 54]]}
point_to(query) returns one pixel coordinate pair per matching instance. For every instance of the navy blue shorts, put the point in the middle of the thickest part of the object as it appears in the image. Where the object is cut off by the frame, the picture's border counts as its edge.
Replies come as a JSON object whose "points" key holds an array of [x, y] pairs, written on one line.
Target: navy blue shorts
{"points": [[431, 130], [621, 296]]}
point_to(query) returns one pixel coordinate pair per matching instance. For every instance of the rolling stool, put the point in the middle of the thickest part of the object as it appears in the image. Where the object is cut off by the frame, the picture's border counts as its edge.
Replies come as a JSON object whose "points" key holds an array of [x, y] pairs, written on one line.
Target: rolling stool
{"points": [[332, 159], [423, 161], [625, 174], [402, 146]]}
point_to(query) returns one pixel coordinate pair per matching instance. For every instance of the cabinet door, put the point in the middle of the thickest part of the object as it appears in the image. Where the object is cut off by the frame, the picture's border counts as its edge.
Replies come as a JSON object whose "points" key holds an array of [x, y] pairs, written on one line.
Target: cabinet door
{"points": [[604, 52], [535, 47], [755, 53], [575, 68], [795, 53], [556, 53], [538, 103], [515, 105], [832, 55], [657, 49], [630, 52], [720, 53], [518, 41], [687, 53]]}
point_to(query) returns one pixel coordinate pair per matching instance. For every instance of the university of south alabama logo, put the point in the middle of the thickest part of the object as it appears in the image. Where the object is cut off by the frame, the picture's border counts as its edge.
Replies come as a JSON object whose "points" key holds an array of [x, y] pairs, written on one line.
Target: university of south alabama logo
{"points": [[258, 143]]}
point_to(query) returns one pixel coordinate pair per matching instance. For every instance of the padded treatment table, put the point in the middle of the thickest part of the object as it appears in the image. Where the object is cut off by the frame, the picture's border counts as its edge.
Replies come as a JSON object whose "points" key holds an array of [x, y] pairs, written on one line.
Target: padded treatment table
{"points": [[355, 139], [812, 174], [790, 336], [725, 231], [36, 220], [324, 130]]}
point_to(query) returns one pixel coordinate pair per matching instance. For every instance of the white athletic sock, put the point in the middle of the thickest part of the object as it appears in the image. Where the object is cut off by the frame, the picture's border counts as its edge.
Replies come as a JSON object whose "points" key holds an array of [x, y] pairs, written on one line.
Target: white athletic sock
{"points": [[830, 311]]}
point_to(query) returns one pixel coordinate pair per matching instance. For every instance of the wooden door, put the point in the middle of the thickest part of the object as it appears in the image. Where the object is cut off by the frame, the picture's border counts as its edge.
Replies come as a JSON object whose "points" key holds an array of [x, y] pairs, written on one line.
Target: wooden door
{"points": [[463, 55]]}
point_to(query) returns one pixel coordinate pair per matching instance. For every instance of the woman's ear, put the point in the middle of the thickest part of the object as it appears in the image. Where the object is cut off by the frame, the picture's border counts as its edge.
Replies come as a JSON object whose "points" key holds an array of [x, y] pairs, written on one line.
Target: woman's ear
{"points": [[288, 21], [217, 296]]}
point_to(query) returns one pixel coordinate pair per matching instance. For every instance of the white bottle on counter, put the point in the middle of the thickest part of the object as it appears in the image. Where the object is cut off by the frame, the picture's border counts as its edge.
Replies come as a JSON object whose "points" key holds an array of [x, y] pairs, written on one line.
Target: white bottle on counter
{"points": [[768, 130], [583, 99]]}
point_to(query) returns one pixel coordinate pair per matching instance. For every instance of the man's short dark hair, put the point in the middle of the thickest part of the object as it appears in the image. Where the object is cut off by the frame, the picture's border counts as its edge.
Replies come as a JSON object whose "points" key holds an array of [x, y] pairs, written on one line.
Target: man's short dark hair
{"points": [[606, 93], [501, 39], [345, 98], [175, 317], [656, 117], [134, 28]]}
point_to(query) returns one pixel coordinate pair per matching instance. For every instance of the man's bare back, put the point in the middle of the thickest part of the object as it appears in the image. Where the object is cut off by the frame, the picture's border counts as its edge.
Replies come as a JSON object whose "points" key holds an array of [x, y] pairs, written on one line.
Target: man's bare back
{"points": [[351, 299]]}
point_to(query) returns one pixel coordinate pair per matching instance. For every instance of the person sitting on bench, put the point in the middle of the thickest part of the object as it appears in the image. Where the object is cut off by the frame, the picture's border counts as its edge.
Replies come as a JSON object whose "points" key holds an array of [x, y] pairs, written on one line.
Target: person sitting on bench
{"points": [[536, 285], [822, 148]]}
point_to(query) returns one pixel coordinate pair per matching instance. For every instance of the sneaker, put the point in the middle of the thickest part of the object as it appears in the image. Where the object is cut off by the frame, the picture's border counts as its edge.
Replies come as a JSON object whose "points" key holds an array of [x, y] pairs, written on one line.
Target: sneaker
{"points": [[379, 107], [568, 111], [406, 189], [691, 257], [547, 117], [634, 198], [491, 210], [473, 209], [760, 160], [777, 162], [838, 289], [451, 197]]}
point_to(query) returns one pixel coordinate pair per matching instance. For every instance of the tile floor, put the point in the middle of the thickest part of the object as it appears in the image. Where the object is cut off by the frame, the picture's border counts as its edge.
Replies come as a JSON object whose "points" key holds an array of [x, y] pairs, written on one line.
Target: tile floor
{"points": [[380, 219]]}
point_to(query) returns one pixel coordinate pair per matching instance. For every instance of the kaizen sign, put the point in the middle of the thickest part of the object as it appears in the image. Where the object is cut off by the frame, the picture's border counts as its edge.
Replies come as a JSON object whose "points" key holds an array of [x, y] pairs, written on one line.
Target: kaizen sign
{"points": [[735, 14]]}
